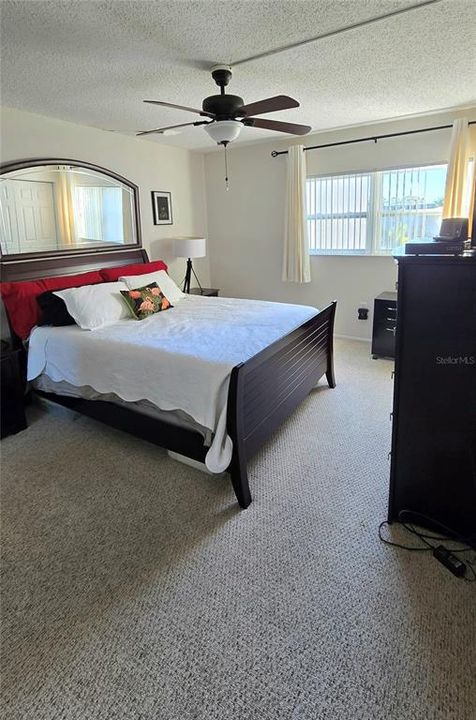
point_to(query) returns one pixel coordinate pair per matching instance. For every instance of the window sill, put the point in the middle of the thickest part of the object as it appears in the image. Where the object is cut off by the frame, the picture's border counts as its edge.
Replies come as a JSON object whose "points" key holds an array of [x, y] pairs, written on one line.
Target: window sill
{"points": [[329, 253]]}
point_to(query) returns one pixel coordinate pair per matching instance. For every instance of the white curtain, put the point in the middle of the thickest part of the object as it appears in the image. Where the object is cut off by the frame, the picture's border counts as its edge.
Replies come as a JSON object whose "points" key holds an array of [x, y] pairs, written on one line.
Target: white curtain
{"points": [[456, 195], [65, 206], [296, 264], [471, 191]]}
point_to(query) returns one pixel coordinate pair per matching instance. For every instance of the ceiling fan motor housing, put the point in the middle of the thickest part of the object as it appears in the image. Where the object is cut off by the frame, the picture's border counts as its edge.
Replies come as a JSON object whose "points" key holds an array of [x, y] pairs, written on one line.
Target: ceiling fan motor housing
{"points": [[221, 74], [224, 107]]}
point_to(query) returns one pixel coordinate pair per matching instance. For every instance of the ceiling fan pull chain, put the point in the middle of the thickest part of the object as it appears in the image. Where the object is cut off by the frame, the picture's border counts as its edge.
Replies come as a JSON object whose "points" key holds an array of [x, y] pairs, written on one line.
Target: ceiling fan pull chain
{"points": [[227, 186]]}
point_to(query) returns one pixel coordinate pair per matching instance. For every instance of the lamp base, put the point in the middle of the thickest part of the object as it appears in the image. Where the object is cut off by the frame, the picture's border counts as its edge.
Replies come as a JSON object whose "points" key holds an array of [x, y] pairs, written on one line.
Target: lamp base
{"points": [[188, 277]]}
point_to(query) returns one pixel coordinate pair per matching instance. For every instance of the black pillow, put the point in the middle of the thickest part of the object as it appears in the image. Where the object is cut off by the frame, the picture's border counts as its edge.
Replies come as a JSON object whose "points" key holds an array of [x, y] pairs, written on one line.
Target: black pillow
{"points": [[53, 310]]}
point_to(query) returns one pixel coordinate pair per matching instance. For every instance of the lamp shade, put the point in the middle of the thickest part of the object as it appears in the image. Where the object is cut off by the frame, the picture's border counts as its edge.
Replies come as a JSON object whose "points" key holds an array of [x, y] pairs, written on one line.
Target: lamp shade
{"points": [[190, 247]]}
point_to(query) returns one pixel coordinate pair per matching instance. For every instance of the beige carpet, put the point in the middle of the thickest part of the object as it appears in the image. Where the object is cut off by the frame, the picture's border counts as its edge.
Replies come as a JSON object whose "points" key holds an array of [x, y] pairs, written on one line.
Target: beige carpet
{"points": [[133, 587]]}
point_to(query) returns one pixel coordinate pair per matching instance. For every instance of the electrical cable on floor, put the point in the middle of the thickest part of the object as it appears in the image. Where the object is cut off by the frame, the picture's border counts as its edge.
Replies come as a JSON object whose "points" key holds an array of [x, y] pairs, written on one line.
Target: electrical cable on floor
{"points": [[462, 569]]}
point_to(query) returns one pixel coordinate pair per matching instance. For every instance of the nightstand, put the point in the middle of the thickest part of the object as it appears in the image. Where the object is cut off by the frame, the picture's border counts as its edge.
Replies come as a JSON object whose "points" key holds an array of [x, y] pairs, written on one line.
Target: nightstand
{"points": [[209, 292], [385, 325], [12, 394]]}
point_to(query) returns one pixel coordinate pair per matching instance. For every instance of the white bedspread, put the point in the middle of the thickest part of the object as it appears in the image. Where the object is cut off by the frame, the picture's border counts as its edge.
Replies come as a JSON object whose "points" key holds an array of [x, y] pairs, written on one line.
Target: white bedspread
{"points": [[180, 359]]}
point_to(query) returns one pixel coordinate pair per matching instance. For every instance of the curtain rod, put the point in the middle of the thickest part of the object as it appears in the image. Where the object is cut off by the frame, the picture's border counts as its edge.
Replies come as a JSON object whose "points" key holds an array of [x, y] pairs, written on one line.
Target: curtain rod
{"points": [[275, 153]]}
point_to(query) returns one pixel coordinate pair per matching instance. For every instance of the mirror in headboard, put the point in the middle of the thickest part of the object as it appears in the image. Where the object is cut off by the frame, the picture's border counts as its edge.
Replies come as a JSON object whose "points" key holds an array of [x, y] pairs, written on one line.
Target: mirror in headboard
{"points": [[58, 207]]}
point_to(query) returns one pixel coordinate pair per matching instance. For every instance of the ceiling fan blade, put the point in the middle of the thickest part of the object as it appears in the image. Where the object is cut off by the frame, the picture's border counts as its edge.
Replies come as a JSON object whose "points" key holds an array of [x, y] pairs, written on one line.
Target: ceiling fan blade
{"points": [[172, 127], [285, 127], [272, 104], [180, 107]]}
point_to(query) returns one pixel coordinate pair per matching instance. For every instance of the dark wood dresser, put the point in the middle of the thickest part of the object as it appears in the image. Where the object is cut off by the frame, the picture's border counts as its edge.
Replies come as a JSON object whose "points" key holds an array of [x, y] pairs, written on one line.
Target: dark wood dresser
{"points": [[433, 459], [384, 325]]}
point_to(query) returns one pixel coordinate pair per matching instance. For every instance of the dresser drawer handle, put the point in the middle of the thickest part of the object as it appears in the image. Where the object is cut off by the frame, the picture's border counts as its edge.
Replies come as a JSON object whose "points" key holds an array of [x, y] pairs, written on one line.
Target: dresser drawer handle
{"points": [[392, 319], [392, 309], [392, 330]]}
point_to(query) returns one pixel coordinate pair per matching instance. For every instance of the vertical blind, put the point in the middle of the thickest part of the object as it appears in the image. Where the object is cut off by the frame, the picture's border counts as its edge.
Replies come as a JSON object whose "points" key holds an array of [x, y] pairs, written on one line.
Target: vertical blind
{"points": [[98, 213], [363, 213], [337, 212], [409, 204]]}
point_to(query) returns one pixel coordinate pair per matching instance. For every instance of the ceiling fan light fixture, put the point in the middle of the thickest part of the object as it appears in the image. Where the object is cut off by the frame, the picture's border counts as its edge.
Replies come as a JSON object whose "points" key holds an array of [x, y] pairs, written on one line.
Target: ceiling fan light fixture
{"points": [[224, 131]]}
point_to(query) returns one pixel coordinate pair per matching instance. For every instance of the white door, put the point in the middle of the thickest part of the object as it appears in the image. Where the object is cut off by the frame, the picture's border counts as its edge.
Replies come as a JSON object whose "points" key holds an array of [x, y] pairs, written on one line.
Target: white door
{"points": [[31, 219], [8, 213]]}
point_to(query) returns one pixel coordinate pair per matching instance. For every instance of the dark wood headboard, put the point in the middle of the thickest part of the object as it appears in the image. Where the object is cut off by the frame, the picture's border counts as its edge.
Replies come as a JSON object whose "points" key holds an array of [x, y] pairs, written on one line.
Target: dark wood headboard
{"points": [[34, 269]]}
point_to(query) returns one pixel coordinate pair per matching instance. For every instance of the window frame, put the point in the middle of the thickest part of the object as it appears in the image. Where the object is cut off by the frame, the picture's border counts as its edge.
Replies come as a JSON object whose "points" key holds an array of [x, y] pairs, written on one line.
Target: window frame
{"points": [[374, 212]]}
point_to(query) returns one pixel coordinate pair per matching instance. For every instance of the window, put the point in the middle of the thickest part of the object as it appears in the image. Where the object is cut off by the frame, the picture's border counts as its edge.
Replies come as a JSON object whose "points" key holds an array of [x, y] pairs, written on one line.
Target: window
{"points": [[98, 214], [373, 213]]}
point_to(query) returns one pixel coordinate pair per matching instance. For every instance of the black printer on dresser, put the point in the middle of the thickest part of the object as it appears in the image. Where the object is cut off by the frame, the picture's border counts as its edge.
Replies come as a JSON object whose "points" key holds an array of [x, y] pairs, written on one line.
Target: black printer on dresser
{"points": [[433, 459]]}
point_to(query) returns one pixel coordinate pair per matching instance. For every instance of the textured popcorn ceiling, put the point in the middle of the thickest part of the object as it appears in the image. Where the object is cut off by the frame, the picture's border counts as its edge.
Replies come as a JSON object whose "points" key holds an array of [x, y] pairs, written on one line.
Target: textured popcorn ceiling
{"points": [[94, 62]]}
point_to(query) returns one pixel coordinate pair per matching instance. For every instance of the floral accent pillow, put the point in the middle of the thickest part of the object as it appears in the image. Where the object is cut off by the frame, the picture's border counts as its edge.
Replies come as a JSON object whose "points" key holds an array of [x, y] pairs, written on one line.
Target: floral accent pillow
{"points": [[145, 301]]}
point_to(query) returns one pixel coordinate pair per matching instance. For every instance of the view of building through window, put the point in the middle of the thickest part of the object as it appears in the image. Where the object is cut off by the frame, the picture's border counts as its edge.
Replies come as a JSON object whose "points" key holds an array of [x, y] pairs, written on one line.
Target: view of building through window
{"points": [[374, 213]]}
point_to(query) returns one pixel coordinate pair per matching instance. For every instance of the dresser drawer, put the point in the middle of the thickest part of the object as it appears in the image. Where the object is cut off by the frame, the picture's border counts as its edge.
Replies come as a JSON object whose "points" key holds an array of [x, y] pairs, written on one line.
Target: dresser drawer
{"points": [[383, 341], [385, 312], [384, 327]]}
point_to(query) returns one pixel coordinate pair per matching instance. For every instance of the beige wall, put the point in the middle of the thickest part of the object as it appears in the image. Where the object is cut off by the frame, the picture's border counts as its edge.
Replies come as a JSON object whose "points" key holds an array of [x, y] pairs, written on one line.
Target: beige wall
{"points": [[149, 165], [245, 224]]}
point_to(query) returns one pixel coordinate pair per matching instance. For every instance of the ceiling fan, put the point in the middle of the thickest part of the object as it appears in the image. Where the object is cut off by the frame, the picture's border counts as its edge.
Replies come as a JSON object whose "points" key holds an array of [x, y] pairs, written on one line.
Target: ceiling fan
{"points": [[227, 114]]}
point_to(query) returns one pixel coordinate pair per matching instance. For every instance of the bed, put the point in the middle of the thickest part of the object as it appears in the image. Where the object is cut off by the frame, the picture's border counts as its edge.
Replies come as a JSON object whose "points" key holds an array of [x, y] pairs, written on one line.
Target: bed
{"points": [[261, 391]]}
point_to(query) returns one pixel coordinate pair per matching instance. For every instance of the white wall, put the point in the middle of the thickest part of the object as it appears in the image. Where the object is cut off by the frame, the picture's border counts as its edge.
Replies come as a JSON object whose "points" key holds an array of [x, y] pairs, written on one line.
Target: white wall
{"points": [[245, 225], [149, 165]]}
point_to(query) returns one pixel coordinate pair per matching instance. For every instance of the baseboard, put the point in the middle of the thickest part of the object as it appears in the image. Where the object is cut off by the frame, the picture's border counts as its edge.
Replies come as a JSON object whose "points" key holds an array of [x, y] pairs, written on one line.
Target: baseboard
{"points": [[351, 337]]}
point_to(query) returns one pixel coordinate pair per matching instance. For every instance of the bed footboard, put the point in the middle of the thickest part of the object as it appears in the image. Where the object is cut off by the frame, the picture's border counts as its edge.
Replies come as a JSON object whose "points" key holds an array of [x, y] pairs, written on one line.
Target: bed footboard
{"points": [[266, 389]]}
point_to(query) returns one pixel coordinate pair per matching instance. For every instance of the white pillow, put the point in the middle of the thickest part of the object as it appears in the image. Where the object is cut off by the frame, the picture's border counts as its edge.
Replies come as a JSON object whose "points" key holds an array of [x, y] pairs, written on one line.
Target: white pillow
{"points": [[171, 291], [94, 306]]}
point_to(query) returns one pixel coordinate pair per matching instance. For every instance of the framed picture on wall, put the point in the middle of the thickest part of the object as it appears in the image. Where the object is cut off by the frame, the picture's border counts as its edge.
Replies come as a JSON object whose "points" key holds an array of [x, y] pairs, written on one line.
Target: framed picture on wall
{"points": [[162, 207]]}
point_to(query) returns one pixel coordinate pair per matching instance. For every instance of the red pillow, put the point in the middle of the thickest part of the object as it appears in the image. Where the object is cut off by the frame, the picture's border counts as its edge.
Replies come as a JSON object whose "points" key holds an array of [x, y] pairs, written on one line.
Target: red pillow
{"points": [[113, 274], [20, 297]]}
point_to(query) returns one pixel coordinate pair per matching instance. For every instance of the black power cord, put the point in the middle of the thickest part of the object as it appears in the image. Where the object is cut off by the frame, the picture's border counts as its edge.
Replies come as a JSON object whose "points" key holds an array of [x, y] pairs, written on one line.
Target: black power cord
{"points": [[446, 556]]}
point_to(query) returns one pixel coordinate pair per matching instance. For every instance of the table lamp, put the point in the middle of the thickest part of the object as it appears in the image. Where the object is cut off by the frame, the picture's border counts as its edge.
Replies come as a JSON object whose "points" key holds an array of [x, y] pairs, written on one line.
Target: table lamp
{"points": [[190, 247]]}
